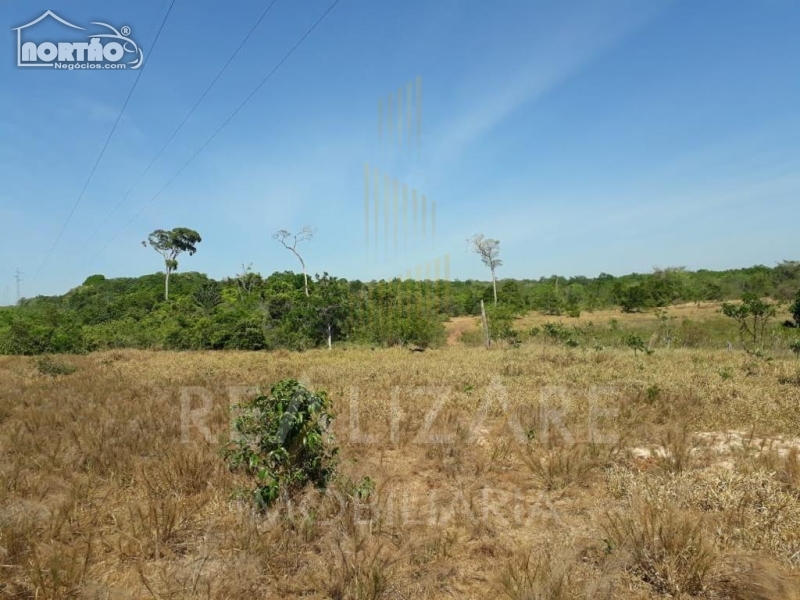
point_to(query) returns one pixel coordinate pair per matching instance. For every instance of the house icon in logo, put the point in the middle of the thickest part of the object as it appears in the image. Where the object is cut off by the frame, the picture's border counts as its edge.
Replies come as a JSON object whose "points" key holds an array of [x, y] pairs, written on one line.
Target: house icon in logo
{"points": [[102, 50], [19, 30]]}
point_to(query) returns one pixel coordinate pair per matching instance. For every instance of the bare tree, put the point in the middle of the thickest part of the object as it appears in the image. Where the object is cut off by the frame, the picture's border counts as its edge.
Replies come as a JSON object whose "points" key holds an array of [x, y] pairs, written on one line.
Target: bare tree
{"points": [[489, 251], [247, 280], [290, 242]]}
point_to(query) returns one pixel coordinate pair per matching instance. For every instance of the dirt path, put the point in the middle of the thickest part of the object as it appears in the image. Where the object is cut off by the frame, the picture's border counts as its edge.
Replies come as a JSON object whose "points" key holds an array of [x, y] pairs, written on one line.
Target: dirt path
{"points": [[458, 325]]}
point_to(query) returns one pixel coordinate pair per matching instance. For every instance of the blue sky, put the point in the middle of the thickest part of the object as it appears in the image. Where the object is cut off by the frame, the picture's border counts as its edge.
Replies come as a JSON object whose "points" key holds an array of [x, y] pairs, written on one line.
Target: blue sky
{"points": [[587, 136]]}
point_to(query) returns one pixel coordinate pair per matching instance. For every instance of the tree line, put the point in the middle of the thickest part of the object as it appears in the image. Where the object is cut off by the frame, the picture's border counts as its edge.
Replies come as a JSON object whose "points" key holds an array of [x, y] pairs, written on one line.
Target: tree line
{"points": [[250, 311]]}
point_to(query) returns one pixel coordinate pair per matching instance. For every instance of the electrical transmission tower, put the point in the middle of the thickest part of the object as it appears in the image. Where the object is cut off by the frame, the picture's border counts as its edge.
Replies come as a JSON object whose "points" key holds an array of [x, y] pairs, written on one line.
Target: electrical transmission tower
{"points": [[18, 277]]}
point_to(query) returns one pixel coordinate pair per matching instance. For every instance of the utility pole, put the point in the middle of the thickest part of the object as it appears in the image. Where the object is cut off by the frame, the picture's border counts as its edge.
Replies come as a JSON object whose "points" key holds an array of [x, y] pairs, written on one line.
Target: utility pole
{"points": [[18, 277], [487, 340]]}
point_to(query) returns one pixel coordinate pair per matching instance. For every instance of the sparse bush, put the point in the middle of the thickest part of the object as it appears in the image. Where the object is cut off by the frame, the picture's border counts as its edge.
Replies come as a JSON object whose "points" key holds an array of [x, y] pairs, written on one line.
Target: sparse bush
{"points": [[653, 393], [636, 343], [512, 338], [558, 334], [283, 441], [795, 309], [752, 315], [47, 365]]}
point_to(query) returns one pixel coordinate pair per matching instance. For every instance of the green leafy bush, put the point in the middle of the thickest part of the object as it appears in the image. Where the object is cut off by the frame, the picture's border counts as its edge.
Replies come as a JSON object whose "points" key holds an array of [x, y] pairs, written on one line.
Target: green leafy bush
{"points": [[558, 334], [501, 319], [633, 299], [636, 343], [283, 442], [795, 310], [42, 333]]}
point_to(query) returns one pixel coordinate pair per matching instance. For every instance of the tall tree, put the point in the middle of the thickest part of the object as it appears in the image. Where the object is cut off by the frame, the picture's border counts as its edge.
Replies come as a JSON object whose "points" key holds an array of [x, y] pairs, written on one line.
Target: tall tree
{"points": [[170, 244], [330, 306], [290, 242], [489, 251]]}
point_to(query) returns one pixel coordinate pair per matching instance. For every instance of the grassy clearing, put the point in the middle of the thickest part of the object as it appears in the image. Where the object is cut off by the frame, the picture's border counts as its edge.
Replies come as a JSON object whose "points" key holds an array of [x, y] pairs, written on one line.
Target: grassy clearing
{"points": [[696, 325], [525, 472]]}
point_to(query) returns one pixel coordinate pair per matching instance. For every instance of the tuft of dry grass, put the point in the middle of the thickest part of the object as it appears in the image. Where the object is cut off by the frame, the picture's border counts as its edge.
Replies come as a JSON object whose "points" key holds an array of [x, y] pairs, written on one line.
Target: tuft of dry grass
{"points": [[668, 548], [541, 577], [753, 578]]}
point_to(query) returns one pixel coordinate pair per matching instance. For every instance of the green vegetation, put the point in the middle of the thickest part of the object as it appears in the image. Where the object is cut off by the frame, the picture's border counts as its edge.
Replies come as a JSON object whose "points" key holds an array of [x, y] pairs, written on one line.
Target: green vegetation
{"points": [[752, 315], [283, 442], [47, 365], [637, 344], [253, 312], [171, 244], [795, 309]]}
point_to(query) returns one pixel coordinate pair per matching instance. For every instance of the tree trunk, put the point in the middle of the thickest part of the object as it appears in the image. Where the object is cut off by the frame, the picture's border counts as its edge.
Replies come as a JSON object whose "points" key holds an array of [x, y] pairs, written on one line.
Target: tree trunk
{"points": [[305, 276], [330, 345], [166, 285], [494, 287]]}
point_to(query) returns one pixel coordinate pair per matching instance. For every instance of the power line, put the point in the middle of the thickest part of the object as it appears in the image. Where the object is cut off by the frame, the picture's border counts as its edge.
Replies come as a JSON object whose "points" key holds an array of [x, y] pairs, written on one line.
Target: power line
{"points": [[105, 146], [222, 126], [180, 126]]}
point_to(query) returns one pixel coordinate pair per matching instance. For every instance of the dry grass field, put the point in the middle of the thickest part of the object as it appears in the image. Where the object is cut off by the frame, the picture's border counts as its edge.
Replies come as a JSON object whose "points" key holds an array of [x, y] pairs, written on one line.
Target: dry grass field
{"points": [[522, 473]]}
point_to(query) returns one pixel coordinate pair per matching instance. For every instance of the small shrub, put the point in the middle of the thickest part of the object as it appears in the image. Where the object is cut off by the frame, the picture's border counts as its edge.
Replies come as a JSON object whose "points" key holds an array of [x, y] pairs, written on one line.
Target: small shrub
{"points": [[752, 316], [692, 334], [795, 310], [653, 393], [501, 319], [359, 490], [284, 442], [795, 347], [512, 338], [558, 334], [47, 365], [636, 343]]}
